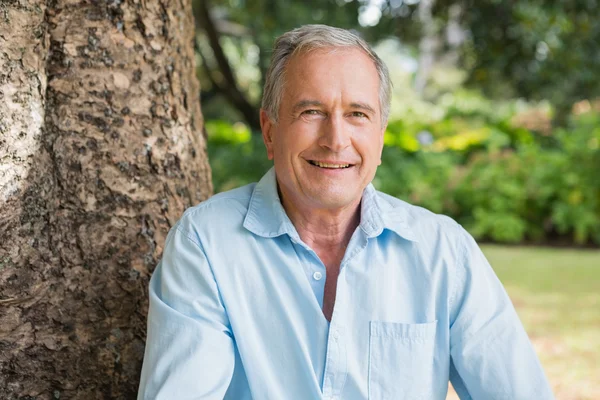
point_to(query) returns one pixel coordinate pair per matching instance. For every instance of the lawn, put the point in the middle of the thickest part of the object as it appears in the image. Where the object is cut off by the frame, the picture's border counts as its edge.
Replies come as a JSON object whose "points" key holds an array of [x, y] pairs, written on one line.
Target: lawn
{"points": [[557, 295]]}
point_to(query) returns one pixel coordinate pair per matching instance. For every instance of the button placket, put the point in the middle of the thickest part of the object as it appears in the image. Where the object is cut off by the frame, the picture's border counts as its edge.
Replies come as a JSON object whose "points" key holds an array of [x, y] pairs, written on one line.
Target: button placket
{"points": [[335, 369], [311, 268]]}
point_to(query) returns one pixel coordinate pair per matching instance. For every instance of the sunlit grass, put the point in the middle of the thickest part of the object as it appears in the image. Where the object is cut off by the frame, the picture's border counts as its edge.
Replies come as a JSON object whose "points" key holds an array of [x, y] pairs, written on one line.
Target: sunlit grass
{"points": [[557, 295]]}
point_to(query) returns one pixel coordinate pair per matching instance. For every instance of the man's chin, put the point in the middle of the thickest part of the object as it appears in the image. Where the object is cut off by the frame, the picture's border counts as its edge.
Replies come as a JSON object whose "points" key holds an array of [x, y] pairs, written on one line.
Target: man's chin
{"points": [[334, 200]]}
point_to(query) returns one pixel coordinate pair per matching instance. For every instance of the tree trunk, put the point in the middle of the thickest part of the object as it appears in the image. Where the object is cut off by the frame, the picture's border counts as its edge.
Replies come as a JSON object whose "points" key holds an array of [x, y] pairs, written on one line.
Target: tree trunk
{"points": [[101, 150], [428, 45]]}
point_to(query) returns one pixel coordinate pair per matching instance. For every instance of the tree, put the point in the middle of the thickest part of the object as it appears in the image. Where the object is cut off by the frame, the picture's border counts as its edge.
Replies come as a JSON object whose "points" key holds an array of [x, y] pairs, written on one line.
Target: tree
{"points": [[543, 50], [538, 50], [101, 150]]}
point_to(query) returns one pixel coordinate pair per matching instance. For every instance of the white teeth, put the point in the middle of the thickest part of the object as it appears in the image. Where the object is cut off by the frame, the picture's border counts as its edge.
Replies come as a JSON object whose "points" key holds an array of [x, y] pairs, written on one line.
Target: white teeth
{"points": [[325, 165]]}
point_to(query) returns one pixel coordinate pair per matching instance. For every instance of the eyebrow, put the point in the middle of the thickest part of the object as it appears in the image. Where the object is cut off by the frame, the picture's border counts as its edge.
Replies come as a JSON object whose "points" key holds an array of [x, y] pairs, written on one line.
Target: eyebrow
{"points": [[314, 103], [306, 103], [363, 106]]}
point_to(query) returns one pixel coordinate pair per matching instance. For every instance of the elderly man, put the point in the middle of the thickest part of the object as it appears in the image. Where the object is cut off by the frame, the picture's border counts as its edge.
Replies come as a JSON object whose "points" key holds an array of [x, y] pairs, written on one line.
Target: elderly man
{"points": [[311, 284]]}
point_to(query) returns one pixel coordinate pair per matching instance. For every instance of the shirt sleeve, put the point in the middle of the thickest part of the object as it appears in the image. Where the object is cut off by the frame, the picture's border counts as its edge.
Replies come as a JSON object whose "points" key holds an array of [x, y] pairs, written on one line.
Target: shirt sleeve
{"points": [[491, 355], [189, 347]]}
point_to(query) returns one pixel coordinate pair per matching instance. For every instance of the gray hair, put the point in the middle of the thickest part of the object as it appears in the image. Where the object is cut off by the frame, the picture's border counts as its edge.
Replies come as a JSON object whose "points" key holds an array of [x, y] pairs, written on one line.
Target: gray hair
{"points": [[310, 37]]}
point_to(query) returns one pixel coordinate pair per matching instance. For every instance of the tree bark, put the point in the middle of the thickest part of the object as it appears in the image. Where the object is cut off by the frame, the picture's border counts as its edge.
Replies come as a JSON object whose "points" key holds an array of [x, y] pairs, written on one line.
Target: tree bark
{"points": [[101, 150]]}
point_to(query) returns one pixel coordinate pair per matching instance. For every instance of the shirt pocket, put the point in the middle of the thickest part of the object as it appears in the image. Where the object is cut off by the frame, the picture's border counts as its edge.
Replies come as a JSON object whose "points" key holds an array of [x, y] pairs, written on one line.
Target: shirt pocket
{"points": [[401, 360]]}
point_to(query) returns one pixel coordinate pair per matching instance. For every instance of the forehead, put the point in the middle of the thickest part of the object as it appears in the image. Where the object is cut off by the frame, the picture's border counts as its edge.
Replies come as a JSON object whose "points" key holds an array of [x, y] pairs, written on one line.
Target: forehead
{"points": [[349, 72]]}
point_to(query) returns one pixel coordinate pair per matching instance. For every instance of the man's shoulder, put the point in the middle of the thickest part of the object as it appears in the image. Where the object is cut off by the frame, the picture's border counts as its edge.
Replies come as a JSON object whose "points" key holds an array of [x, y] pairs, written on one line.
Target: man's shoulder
{"points": [[221, 209], [424, 223]]}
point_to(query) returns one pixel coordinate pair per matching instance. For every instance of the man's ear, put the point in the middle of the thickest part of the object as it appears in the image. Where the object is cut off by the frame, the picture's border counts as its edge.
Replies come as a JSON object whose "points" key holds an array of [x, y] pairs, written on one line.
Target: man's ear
{"points": [[266, 126]]}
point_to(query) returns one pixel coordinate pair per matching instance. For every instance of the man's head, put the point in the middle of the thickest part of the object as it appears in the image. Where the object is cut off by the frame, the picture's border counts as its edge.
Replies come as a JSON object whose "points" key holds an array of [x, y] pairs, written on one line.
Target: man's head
{"points": [[311, 37], [324, 113]]}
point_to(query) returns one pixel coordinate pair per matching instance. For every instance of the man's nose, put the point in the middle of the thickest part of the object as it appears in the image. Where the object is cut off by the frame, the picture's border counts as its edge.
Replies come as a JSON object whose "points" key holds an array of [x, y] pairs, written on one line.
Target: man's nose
{"points": [[335, 136]]}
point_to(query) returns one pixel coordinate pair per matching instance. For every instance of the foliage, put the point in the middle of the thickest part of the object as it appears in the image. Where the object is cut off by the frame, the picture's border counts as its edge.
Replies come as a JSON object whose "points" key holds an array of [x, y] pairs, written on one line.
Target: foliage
{"points": [[543, 51], [235, 159], [530, 49], [419, 178], [224, 133], [529, 192]]}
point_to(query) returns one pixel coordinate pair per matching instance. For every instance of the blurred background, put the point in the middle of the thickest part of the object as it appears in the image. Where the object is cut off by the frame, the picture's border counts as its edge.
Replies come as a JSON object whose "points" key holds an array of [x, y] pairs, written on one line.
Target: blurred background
{"points": [[495, 122]]}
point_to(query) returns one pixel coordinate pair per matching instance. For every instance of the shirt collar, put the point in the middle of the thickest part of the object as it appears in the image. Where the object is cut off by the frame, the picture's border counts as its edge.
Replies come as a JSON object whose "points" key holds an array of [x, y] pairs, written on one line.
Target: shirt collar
{"points": [[266, 216]]}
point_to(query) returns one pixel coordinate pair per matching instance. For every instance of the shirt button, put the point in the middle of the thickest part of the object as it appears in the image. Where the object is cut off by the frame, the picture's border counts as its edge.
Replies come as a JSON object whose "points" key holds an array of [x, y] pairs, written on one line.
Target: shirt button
{"points": [[336, 334], [317, 276]]}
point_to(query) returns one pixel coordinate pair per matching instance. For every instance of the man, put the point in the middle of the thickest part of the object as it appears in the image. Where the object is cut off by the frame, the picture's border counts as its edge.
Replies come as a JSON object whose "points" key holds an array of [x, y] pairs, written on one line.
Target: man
{"points": [[313, 285]]}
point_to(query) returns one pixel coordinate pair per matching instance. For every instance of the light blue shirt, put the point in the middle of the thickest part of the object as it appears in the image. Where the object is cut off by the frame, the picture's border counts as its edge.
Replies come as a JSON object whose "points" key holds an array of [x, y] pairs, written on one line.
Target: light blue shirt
{"points": [[236, 310]]}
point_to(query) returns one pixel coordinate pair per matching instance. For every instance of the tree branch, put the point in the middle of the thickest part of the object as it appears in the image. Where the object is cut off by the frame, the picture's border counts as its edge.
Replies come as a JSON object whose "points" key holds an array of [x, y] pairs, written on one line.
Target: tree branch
{"points": [[229, 87]]}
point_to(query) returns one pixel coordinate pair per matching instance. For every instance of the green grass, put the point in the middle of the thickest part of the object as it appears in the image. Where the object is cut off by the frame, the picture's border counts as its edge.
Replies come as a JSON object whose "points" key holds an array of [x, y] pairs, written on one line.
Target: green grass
{"points": [[557, 295]]}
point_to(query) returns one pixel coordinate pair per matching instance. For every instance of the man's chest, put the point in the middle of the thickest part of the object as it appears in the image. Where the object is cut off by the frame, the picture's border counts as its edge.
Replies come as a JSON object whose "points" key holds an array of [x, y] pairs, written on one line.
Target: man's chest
{"points": [[279, 279], [388, 307]]}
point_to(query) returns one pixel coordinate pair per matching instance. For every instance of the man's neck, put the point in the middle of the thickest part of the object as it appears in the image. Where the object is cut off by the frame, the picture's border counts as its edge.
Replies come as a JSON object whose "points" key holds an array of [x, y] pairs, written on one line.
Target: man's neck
{"points": [[324, 229]]}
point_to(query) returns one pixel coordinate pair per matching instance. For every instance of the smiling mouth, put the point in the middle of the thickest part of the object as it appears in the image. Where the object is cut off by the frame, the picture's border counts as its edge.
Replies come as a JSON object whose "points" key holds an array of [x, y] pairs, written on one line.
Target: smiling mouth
{"points": [[328, 165]]}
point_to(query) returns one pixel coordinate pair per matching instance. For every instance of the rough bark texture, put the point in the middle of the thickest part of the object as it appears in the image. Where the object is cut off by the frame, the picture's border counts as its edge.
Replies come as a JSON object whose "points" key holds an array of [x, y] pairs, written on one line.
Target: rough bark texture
{"points": [[101, 150]]}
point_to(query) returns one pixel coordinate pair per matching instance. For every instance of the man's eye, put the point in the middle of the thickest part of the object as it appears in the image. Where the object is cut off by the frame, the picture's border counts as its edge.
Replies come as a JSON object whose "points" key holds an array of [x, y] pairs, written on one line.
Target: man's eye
{"points": [[358, 114], [311, 112]]}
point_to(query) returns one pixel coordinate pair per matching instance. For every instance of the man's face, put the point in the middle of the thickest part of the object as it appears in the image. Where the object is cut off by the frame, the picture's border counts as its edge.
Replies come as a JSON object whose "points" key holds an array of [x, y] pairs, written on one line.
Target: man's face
{"points": [[327, 143]]}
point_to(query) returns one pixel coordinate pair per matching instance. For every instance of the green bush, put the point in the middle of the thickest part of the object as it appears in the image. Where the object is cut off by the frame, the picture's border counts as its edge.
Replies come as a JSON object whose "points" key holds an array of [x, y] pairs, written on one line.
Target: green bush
{"points": [[535, 192], [236, 162], [576, 206], [420, 178]]}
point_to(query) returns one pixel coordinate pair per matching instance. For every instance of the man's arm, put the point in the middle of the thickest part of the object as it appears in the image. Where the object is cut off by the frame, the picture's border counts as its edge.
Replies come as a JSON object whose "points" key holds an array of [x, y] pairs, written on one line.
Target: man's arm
{"points": [[492, 357], [189, 347]]}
